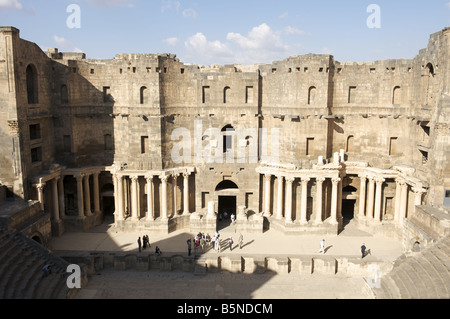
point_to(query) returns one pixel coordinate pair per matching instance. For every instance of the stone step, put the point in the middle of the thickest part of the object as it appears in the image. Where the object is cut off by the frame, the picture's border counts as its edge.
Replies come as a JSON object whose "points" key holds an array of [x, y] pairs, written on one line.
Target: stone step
{"points": [[33, 282], [7, 264], [34, 268], [443, 258], [403, 290], [441, 276], [424, 269], [418, 281], [15, 272], [388, 289], [410, 281]]}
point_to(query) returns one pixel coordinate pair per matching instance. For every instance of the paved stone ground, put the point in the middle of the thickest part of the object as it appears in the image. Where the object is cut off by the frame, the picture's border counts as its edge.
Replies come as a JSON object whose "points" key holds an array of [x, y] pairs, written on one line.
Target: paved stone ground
{"points": [[110, 284]]}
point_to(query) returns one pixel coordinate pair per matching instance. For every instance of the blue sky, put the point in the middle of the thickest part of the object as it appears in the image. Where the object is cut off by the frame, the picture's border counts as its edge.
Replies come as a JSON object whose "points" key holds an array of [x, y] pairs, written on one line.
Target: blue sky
{"points": [[226, 32]]}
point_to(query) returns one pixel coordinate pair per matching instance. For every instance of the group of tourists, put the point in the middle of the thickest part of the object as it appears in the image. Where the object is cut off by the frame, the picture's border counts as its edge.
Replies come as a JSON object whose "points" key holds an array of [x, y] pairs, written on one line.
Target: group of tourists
{"points": [[203, 242], [145, 242]]}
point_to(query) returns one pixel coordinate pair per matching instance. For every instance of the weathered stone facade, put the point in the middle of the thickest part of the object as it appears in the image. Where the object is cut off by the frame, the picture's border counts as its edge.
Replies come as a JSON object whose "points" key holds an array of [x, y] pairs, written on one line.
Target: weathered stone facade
{"points": [[299, 144]]}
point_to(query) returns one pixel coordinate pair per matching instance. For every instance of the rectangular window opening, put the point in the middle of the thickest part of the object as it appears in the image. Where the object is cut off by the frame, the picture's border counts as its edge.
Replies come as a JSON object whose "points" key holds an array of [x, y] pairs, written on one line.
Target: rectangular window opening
{"points": [[144, 145], [36, 155], [310, 146], [35, 132]]}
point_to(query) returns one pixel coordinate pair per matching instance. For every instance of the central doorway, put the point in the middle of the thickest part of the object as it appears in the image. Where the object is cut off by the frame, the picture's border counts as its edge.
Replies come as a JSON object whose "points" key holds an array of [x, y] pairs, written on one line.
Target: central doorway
{"points": [[227, 207], [348, 210]]}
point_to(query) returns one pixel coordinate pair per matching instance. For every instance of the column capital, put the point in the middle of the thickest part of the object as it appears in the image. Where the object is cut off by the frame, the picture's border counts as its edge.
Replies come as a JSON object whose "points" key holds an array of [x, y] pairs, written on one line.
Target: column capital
{"points": [[305, 180], [40, 186], [134, 178], [290, 179], [320, 179], [379, 180], [149, 179], [419, 190], [362, 176], [336, 180], [186, 175], [164, 178], [267, 177]]}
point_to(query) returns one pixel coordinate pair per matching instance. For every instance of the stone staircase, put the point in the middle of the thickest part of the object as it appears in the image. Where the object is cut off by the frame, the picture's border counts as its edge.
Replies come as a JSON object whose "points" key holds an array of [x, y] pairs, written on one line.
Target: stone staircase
{"points": [[21, 275], [424, 275]]}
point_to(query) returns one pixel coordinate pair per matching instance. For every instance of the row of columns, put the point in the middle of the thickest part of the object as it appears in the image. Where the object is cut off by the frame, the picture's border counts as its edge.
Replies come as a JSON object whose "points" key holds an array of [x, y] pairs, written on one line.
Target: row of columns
{"points": [[373, 208], [83, 194], [304, 198], [120, 190], [370, 199]]}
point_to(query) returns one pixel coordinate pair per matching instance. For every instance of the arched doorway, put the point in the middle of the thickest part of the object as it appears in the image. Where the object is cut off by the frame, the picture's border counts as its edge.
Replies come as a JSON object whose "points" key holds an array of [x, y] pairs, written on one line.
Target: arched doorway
{"points": [[226, 192]]}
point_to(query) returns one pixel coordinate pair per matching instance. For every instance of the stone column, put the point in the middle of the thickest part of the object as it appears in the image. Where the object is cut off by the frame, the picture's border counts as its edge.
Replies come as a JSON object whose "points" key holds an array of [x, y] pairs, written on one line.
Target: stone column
{"points": [[150, 212], [134, 198], [362, 197], [164, 197], [398, 200], [62, 205], [304, 203], [267, 180], [280, 197], [120, 198], [174, 195], [418, 192], [334, 200], [40, 190], [403, 203], [55, 200], [288, 208], [79, 179], [319, 199], [378, 198], [370, 198], [96, 193], [186, 194], [87, 196]]}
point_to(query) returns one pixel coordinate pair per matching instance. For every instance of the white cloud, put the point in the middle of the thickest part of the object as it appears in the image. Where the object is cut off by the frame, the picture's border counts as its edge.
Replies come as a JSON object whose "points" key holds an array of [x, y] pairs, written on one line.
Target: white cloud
{"points": [[293, 31], [208, 51], [284, 15], [11, 4], [326, 50], [170, 4], [190, 13], [260, 45], [65, 45], [171, 41]]}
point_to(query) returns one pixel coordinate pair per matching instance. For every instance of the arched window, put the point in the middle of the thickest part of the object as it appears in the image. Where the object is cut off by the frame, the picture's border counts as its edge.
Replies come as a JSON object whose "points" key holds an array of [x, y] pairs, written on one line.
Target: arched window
{"points": [[429, 84], [311, 95], [64, 94], [144, 95], [226, 94], [32, 85], [227, 132], [226, 184], [397, 95], [350, 143]]}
